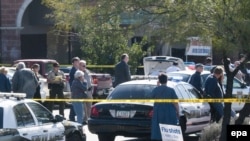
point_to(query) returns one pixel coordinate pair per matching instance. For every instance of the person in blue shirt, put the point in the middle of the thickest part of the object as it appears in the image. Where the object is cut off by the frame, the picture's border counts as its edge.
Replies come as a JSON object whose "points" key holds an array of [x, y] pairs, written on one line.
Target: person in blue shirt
{"points": [[164, 113], [5, 85], [75, 65], [195, 79]]}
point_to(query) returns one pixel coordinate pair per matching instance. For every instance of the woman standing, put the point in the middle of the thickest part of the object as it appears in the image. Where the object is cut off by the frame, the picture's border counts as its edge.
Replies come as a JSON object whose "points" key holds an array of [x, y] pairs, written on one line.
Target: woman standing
{"points": [[5, 85], [78, 91], [164, 113], [35, 68]]}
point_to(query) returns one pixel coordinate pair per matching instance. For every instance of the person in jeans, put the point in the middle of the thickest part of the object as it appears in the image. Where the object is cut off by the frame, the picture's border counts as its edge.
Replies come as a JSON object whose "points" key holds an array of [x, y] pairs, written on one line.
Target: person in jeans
{"points": [[56, 79], [88, 80], [75, 66], [78, 91]]}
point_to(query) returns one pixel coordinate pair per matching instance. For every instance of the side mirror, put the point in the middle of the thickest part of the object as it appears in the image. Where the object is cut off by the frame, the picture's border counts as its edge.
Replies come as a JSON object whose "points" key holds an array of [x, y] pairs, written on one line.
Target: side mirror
{"points": [[243, 85], [58, 118]]}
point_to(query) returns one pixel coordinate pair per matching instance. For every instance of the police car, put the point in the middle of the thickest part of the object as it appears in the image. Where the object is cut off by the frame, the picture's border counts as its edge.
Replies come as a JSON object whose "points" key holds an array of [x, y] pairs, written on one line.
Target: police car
{"points": [[26, 119]]}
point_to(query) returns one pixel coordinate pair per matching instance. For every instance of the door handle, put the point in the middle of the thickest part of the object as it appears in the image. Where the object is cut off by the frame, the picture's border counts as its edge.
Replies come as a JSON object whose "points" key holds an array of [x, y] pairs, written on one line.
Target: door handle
{"points": [[45, 130], [25, 134]]}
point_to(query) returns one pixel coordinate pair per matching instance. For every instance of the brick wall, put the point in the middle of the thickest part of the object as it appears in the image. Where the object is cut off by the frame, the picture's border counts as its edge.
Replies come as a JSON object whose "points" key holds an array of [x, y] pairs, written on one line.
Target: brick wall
{"points": [[10, 34]]}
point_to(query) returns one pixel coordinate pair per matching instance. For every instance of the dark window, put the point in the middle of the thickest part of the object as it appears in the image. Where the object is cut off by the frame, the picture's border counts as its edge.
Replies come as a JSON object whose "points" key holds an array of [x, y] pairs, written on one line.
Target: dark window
{"points": [[41, 113], [132, 92], [23, 116], [1, 118]]}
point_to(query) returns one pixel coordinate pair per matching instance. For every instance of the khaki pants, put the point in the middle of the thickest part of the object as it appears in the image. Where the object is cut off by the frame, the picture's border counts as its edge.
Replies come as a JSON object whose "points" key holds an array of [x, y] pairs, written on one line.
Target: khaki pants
{"points": [[87, 106]]}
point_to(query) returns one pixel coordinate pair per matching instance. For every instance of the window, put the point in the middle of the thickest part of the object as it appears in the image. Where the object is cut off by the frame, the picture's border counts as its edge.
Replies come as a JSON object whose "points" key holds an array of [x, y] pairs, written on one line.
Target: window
{"points": [[182, 92], [138, 91], [193, 94], [42, 114], [236, 82], [23, 115]]}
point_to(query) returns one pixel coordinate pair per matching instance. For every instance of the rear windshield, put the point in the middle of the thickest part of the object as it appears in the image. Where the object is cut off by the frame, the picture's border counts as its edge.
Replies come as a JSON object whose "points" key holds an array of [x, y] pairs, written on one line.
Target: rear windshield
{"points": [[140, 91], [1, 118]]}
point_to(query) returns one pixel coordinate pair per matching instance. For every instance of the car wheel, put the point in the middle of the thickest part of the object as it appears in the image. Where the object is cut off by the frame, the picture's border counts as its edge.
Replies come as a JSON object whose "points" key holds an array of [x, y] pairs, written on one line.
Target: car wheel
{"points": [[74, 137], [106, 137]]}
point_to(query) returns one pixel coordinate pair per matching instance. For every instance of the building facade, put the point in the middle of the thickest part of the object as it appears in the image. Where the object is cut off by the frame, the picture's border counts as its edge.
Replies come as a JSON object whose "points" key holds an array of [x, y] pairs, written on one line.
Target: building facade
{"points": [[26, 33]]}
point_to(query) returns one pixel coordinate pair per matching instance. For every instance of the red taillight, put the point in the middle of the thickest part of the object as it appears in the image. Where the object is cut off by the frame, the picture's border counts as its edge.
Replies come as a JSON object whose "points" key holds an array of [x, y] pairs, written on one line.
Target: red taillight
{"points": [[94, 112], [150, 113]]}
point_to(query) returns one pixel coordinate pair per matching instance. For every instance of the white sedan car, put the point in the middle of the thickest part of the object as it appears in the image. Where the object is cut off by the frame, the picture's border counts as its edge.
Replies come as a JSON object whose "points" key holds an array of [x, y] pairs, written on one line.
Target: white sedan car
{"points": [[25, 119], [240, 90]]}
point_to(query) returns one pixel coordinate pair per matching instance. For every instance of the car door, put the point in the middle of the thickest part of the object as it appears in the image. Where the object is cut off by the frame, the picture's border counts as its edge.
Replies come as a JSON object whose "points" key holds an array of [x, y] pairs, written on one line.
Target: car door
{"points": [[238, 92], [26, 125], [200, 112], [51, 130]]}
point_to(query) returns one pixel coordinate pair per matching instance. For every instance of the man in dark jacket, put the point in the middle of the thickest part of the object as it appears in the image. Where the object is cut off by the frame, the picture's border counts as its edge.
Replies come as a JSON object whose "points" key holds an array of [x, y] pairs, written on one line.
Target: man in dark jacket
{"points": [[122, 72], [214, 90], [195, 79]]}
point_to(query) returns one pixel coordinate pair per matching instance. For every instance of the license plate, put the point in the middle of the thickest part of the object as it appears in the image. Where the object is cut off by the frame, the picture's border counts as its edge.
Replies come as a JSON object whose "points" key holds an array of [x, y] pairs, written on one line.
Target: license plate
{"points": [[122, 114]]}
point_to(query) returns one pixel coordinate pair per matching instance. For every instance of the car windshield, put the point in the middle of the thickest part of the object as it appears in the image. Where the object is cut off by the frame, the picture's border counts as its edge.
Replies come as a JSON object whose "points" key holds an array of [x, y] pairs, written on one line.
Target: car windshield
{"points": [[132, 91]]}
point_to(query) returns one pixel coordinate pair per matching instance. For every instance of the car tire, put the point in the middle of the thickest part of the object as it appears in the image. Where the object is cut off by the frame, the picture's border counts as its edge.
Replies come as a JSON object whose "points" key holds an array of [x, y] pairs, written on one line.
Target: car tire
{"points": [[74, 137], [106, 137]]}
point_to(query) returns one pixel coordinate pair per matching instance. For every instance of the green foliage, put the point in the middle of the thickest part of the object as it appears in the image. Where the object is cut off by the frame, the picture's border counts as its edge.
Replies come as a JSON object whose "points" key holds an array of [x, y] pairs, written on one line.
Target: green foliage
{"points": [[105, 27]]}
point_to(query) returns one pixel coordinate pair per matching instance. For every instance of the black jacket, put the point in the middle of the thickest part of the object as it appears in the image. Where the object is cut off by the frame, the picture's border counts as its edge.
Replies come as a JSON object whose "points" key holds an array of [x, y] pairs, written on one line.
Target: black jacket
{"points": [[196, 81], [122, 73]]}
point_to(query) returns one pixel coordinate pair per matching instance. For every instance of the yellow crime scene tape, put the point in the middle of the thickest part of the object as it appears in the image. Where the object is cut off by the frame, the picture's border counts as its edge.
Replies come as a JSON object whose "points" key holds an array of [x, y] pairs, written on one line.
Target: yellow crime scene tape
{"points": [[225, 100]]}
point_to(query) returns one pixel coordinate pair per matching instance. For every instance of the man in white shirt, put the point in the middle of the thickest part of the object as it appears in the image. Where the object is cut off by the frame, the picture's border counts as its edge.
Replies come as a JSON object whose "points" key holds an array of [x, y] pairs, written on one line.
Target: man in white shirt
{"points": [[173, 68]]}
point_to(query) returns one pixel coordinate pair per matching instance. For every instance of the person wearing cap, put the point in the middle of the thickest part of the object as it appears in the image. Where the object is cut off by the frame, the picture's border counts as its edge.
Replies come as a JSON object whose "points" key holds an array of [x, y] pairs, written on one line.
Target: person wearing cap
{"points": [[56, 79], [173, 68], [75, 65], [24, 81], [5, 85], [195, 79], [78, 89]]}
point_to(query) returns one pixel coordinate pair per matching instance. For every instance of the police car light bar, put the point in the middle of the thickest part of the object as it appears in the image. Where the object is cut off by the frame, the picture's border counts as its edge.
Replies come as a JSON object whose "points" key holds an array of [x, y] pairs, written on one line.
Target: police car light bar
{"points": [[16, 95]]}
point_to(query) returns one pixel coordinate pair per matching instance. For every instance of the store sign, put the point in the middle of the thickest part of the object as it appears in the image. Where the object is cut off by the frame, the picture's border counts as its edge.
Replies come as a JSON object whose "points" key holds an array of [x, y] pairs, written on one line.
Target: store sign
{"points": [[199, 50], [198, 47]]}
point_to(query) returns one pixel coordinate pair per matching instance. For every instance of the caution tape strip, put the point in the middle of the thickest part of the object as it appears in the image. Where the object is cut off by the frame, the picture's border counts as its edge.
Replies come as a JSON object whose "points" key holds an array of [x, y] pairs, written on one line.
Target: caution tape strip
{"points": [[225, 100]]}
